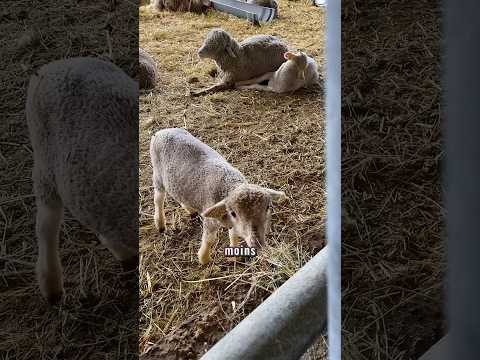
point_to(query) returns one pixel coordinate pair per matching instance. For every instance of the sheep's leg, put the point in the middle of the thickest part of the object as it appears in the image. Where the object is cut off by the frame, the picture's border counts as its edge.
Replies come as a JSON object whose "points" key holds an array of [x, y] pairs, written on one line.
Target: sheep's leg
{"points": [[49, 268], [159, 217], [208, 238], [256, 87], [189, 210], [234, 238], [215, 88], [158, 192], [257, 80], [128, 256], [234, 242]]}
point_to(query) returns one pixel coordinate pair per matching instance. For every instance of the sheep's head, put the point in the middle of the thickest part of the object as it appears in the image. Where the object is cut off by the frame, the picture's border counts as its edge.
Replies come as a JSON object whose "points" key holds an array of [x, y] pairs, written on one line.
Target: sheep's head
{"points": [[300, 60], [247, 210], [217, 44]]}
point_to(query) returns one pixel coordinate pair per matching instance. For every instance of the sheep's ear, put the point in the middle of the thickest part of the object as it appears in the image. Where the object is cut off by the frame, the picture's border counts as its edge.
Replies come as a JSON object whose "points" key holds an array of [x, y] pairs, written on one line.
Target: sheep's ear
{"points": [[289, 55], [217, 211], [277, 196], [230, 51]]}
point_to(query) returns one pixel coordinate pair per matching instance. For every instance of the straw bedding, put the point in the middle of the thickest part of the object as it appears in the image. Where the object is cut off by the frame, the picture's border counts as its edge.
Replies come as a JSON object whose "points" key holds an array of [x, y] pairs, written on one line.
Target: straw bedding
{"points": [[393, 255], [275, 140], [99, 317]]}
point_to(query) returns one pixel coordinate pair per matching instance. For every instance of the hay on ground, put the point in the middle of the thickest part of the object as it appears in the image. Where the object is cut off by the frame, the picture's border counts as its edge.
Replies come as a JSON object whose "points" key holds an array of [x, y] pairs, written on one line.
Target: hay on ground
{"points": [[275, 140], [99, 317]]}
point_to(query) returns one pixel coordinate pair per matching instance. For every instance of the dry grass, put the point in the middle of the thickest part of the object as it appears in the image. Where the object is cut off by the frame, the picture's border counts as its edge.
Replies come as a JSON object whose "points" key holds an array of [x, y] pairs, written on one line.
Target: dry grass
{"points": [[393, 256], [276, 141], [99, 317]]}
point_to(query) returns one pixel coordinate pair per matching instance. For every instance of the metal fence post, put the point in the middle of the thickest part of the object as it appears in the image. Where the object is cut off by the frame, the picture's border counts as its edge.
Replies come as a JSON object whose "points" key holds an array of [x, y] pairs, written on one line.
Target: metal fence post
{"points": [[284, 325]]}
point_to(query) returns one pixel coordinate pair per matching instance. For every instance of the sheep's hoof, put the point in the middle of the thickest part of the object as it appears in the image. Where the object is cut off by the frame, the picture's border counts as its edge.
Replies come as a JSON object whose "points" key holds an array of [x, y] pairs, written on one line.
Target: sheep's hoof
{"points": [[282, 198], [196, 93], [160, 225], [50, 283], [193, 215], [213, 72], [204, 259], [54, 298], [130, 264], [233, 259], [161, 229], [192, 212]]}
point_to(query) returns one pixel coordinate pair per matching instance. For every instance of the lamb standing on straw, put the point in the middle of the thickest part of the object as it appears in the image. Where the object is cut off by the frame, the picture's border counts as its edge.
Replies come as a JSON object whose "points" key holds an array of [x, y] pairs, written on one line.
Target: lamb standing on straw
{"points": [[204, 182]]}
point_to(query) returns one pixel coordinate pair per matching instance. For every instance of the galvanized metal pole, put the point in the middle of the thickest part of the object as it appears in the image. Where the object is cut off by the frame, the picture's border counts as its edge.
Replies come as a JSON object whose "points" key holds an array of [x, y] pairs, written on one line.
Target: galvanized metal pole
{"points": [[463, 177], [284, 325], [333, 87], [439, 351]]}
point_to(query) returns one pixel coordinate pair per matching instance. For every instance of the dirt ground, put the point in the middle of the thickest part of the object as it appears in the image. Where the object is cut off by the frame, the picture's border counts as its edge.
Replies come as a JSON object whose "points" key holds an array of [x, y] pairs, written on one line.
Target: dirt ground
{"points": [[393, 252], [275, 140], [98, 319]]}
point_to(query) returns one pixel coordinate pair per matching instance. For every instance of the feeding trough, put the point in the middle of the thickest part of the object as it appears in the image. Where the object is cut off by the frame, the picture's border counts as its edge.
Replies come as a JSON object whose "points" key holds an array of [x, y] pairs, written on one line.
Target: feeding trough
{"points": [[253, 13], [320, 3]]}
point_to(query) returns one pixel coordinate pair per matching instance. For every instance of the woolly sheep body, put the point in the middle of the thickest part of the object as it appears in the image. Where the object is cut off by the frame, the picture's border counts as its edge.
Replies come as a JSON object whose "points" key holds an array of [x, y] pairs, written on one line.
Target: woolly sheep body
{"points": [[202, 181], [195, 6], [236, 61], [147, 71], [195, 163], [82, 120]]}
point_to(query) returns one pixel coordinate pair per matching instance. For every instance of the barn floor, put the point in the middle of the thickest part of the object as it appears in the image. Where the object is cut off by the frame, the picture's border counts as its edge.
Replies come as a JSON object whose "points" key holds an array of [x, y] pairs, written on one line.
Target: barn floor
{"points": [[276, 141]]}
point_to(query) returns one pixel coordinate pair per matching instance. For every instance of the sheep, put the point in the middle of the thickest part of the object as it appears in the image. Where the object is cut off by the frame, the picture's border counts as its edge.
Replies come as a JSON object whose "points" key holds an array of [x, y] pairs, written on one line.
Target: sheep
{"points": [[147, 71], [235, 61], [82, 120], [203, 182], [266, 3], [298, 71], [195, 6]]}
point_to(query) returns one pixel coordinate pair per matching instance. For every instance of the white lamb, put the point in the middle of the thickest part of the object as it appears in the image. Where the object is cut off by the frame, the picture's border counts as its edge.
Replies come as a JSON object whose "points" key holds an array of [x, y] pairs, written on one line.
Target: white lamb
{"points": [[297, 72], [82, 116], [202, 181]]}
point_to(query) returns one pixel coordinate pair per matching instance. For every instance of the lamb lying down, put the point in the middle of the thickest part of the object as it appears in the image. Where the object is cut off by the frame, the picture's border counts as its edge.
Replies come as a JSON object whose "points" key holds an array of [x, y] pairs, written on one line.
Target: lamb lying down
{"points": [[239, 61], [298, 71]]}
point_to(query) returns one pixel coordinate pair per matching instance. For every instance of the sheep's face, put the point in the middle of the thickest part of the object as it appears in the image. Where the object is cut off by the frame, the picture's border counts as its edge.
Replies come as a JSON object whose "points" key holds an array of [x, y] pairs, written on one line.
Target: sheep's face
{"points": [[247, 210], [216, 45], [300, 60]]}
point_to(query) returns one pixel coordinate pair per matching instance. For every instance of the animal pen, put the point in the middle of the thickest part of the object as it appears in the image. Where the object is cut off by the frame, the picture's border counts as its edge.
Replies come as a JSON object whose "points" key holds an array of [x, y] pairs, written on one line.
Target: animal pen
{"points": [[185, 308]]}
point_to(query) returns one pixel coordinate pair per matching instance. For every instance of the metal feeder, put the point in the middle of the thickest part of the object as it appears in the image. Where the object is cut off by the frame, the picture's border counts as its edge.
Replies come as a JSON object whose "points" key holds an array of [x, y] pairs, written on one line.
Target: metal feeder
{"points": [[254, 13]]}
